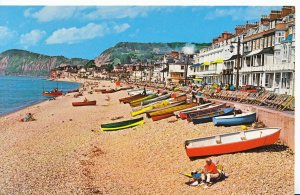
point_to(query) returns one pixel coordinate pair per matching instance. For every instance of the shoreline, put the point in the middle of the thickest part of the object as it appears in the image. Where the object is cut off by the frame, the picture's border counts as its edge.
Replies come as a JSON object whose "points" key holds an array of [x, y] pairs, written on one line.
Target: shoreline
{"points": [[38, 101]]}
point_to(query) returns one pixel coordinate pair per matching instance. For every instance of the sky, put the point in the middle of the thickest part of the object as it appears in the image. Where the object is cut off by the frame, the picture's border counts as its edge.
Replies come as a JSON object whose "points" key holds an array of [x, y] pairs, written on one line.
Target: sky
{"points": [[86, 31]]}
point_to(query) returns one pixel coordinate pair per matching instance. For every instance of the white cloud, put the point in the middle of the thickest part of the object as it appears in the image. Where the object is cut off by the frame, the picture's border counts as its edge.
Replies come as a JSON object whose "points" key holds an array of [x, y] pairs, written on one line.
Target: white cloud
{"points": [[6, 34], [27, 12], [119, 12], [121, 28], [31, 38], [50, 13], [75, 35], [241, 13]]}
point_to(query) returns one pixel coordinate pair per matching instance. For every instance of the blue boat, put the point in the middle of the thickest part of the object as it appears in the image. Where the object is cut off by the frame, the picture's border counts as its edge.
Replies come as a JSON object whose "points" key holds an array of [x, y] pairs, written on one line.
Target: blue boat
{"points": [[239, 119], [207, 117]]}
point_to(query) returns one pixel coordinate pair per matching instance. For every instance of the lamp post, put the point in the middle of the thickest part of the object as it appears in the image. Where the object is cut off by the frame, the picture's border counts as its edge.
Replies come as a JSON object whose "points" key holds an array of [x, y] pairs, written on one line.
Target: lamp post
{"points": [[237, 61]]}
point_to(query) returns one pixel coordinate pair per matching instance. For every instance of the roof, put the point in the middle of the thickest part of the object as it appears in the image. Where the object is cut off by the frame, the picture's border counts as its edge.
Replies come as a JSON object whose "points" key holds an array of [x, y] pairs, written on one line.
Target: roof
{"points": [[268, 50]]}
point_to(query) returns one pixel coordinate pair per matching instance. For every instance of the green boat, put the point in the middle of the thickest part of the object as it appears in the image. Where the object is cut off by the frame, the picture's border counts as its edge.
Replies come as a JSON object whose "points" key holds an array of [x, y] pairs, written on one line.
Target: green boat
{"points": [[122, 124]]}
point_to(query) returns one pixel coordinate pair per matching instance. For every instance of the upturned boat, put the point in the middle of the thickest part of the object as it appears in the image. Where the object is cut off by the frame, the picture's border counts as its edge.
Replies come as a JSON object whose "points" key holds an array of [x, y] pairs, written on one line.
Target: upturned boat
{"points": [[194, 113], [100, 90], [207, 117], [72, 91], [84, 103], [162, 97], [109, 91], [122, 124], [231, 142], [172, 109], [238, 119], [131, 98]]}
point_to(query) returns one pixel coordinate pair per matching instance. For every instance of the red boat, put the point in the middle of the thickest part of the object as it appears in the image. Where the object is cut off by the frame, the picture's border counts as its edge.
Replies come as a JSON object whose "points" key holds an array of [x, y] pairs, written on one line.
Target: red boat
{"points": [[159, 117], [109, 91], [52, 93], [100, 90], [85, 103], [74, 90], [231, 142]]}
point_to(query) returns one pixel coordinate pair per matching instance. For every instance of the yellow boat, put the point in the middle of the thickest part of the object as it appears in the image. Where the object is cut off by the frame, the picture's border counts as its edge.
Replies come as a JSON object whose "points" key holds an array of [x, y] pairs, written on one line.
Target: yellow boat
{"points": [[172, 109], [143, 110]]}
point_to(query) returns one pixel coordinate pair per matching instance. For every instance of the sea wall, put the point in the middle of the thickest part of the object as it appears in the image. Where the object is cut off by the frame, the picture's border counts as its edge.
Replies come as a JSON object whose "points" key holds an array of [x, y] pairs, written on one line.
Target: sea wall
{"points": [[271, 118]]}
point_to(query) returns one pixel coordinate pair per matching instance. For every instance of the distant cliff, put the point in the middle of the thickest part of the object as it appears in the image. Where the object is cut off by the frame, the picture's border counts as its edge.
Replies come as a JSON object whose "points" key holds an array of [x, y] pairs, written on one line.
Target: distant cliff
{"points": [[21, 62], [153, 51]]}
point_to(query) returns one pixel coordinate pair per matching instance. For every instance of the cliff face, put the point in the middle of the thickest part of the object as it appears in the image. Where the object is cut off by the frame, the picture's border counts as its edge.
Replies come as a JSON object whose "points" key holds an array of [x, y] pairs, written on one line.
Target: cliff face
{"points": [[124, 51], [20, 62]]}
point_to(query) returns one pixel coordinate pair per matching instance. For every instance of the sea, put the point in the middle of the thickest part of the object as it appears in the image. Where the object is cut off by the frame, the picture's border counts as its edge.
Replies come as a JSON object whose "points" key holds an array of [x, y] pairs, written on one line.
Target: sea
{"points": [[17, 92]]}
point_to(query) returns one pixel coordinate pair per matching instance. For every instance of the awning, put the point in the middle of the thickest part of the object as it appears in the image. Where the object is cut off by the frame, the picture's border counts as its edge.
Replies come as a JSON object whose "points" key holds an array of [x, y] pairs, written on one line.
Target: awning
{"points": [[206, 63], [231, 58], [268, 50], [288, 39], [254, 52], [197, 79], [217, 61], [196, 65]]}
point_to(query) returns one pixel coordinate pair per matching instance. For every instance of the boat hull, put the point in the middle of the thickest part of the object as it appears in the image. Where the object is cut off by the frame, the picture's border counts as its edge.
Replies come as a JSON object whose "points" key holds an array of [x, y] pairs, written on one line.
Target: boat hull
{"points": [[159, 117], [131, 98], [235, 120], [208, 117], [194, 113], [109, 91], [89, 103], [226, 148], [52, 94], [172, 109], [122, 125]]}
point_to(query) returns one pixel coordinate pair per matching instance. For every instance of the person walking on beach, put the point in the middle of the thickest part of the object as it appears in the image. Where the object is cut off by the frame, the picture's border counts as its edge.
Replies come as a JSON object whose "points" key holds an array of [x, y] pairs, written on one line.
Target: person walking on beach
{"points": [[193, 94]]}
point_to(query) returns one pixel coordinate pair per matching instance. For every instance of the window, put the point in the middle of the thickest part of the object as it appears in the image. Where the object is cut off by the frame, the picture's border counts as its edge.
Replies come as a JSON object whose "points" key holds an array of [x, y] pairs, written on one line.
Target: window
{"points": [[285, 80], [273, 40], [269, 41], [182, 67], [277, 79], [269, 80], [265, 42], [279, 37], [261, 43], [181, 74]]}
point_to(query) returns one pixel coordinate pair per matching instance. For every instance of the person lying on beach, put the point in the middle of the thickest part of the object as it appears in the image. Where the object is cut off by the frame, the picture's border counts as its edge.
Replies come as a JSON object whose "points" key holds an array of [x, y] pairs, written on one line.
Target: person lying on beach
{"points": [[28, 117]]}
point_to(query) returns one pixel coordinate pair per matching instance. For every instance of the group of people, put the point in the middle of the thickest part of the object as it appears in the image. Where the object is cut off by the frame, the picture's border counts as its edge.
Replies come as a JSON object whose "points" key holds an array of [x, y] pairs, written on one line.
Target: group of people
{"points": [[208, 174]]}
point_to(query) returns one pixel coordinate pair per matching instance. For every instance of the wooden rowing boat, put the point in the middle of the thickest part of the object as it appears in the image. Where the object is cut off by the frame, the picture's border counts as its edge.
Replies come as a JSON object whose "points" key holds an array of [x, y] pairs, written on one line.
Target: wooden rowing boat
{"points": [[100, 90], [194, 113], [172, 109], [163, 116], [138, 102], [72, 91], [143, 110], [52, 93], [84, 103], [159, 98], [177, 113], [207, 117], [109, 91], [122, 124], [231, 142], [239, 119], [131, 98], [164, 107]]}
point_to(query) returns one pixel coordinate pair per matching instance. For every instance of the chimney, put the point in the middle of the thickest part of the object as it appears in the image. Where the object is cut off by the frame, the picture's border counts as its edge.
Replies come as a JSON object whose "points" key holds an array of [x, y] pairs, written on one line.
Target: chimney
{"points": [[286, 10], [239, 29], [250, 25], [226, 35], [215, 40], [275, 14], [264, 19], [220, 39]]}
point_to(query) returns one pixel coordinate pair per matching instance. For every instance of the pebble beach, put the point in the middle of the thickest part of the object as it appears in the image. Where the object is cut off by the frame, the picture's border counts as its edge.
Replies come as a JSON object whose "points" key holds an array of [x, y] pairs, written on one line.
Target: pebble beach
{"points": [[65, 152]]}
